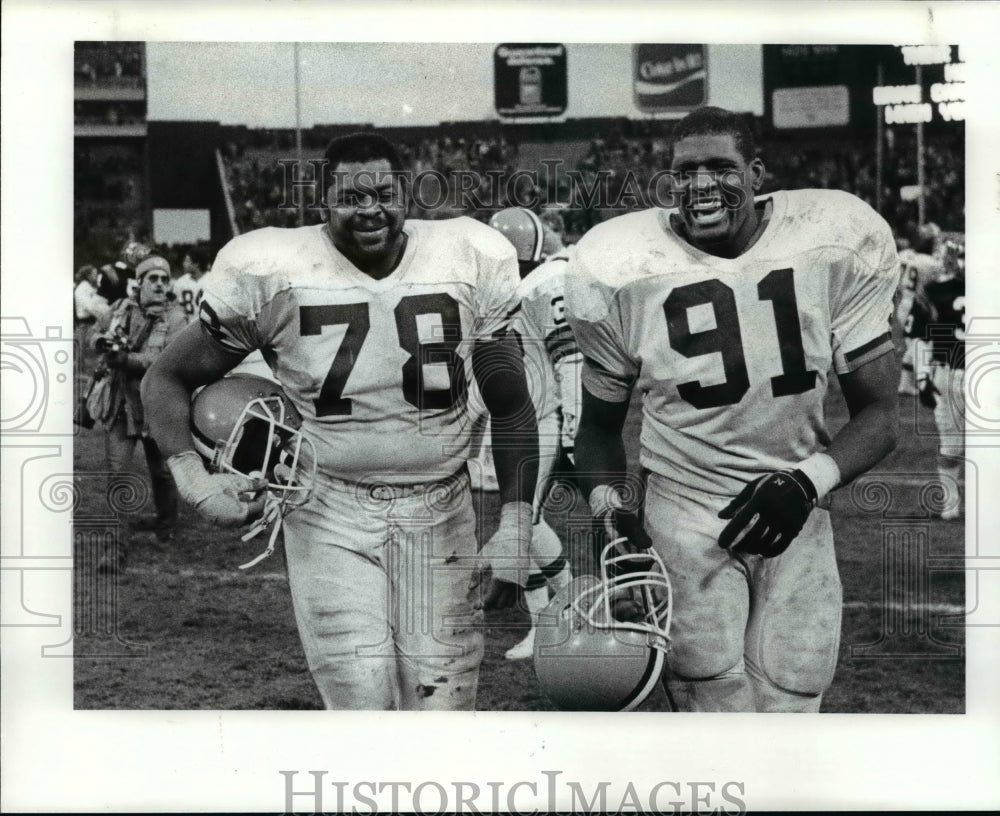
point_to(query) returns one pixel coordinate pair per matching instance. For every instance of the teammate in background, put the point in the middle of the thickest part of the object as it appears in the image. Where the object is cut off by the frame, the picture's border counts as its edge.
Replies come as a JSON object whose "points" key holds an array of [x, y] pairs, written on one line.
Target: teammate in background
{"points": [[919, 264], [374, 326], [936, 325], [552, 366], [130, 337], [727, 313], [88, 306], [115, 281], [187, 287]]}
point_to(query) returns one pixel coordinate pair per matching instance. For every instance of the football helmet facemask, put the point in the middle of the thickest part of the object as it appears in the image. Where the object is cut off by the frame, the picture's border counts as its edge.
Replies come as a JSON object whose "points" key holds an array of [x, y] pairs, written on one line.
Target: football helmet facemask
{"points": [[601, 644], [247, 425]]}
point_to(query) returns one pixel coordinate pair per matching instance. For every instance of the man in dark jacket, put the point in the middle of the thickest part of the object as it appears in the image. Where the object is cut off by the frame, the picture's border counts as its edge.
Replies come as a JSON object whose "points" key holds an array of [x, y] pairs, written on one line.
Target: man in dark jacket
{"points": [[130, 338]]}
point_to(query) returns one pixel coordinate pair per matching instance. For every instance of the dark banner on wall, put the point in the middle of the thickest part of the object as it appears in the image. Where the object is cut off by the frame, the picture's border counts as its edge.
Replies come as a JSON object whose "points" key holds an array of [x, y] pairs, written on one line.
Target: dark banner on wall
{"points": [[529, 79]]}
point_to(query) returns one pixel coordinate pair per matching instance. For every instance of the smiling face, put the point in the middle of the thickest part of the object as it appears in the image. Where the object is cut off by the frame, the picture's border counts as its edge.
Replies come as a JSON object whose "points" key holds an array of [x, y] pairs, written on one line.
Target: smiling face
{"points": [[717, 187], [365, 212]]}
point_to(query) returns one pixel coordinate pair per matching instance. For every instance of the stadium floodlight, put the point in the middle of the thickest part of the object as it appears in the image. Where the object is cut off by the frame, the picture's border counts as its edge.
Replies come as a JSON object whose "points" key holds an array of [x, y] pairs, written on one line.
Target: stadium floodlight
{"points": [[954, 72], [908, 114], [952, 111], [896, 94], [948, 92], [926, 54]]}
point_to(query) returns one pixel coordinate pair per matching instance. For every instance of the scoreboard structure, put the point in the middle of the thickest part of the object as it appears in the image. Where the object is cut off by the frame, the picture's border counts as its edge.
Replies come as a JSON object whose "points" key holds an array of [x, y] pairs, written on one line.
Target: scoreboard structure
{"points": [[824, 86]]}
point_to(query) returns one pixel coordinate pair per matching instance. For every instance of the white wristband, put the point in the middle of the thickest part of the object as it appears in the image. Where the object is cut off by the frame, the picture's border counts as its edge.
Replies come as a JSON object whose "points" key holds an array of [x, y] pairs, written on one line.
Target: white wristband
{"points": [[603, 499], [823, 472], [519, 515], [192, 480]]}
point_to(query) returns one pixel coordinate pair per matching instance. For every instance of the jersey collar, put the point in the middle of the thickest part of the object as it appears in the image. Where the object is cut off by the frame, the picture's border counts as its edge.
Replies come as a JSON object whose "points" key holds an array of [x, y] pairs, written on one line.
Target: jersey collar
{"points": [[404, 262], [779, 203]]}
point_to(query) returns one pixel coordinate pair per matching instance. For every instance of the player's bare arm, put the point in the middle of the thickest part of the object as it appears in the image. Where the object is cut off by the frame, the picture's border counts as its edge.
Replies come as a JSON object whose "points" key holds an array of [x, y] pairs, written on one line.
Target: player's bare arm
{"points": [[191, 360], [600, 451], [601, 465], [871, 432], [499, 371]]}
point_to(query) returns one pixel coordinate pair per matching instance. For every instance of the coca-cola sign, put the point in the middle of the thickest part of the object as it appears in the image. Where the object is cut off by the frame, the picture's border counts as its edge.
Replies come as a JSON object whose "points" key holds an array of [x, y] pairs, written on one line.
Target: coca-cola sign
{"points": [[669, 77]]}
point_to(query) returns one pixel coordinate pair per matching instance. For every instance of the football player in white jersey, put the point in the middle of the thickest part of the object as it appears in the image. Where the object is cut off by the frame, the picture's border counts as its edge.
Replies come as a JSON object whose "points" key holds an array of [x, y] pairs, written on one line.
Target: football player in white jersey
{"points": [[373, 325], [918, 266], [187, 286], [936, 325], [552, 366], [727, 314]]}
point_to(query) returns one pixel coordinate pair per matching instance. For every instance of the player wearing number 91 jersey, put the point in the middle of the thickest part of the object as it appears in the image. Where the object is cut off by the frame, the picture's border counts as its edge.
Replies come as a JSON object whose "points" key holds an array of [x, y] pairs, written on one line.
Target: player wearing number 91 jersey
{"points": [[729, 351], [727, 312]]}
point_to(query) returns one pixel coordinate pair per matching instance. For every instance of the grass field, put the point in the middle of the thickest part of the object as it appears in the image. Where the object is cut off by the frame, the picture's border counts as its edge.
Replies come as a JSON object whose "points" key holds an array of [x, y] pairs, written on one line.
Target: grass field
{"points": [[182, 628]]}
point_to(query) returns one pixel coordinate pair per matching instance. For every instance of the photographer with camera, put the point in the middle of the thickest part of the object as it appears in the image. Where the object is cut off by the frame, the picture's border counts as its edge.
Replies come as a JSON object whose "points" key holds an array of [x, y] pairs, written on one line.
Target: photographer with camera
{"points": [[129, 339]]}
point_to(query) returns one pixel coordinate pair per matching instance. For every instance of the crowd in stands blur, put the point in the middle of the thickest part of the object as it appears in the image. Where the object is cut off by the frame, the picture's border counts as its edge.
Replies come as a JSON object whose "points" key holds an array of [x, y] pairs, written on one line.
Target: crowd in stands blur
{"points": [[610, 174], [614, 165], [108, 63], [99, 112]]}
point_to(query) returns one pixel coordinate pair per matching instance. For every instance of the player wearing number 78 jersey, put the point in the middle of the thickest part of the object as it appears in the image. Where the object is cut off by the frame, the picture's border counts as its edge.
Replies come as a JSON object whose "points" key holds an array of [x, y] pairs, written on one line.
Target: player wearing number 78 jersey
{"points": [[374, 326], [727, 313]]}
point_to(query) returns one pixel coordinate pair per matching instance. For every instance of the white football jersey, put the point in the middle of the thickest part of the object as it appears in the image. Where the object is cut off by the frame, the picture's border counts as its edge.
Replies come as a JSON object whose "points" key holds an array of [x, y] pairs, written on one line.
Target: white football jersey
{"points": [[187, 290], [552, 359], [377, 368], [916, 270], [732, 355]]}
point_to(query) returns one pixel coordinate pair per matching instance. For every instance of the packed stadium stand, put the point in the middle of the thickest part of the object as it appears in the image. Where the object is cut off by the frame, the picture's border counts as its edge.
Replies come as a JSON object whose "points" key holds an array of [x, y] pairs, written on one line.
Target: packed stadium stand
{"points": [[591, 167]]}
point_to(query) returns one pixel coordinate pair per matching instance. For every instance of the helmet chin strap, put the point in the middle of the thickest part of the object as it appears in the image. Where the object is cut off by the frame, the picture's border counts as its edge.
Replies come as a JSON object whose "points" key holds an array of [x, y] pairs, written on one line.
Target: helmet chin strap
{"points": [[272, 513]]}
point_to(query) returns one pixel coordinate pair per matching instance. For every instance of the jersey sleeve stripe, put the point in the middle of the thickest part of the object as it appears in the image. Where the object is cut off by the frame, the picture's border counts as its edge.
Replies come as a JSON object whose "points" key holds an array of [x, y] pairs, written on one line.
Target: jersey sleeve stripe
{"points": [[865, 349], [569, 350], [217, 336], [558, 338], [560, 349]]}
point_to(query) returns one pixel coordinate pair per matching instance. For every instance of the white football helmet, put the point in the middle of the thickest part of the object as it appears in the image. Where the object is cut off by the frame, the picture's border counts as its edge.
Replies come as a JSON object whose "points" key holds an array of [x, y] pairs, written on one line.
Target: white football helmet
{"points": [[524, 230], [246, 424], [601, 644]]}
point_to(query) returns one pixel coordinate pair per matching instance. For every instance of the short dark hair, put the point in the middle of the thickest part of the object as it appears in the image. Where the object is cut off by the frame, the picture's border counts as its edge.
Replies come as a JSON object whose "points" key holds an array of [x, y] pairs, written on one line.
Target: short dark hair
{"points": [[359, 147], [712, 121], [200, 256]]}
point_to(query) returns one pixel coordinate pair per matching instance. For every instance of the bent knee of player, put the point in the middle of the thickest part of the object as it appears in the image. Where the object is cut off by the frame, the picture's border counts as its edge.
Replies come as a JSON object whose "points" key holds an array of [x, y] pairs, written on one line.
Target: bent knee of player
{"points": [[771, 698], [710, 655], [805, 668], [350, 684]]}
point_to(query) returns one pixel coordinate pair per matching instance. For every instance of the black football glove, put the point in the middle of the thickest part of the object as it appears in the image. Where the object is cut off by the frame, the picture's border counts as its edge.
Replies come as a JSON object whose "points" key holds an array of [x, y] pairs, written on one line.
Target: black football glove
{"points": [[768, 513], [927, 392], [501, 595]]}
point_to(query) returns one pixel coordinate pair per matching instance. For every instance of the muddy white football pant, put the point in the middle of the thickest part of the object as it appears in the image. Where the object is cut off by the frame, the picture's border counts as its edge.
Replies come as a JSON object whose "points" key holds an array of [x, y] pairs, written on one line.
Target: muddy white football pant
{"points": [[546, 549], [757, 638], [949, 417], [382, 597]]}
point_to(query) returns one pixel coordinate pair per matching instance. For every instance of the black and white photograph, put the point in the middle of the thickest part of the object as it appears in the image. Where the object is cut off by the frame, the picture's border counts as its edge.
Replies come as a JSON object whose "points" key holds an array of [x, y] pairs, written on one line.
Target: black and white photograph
{"points": [[579, 389]]}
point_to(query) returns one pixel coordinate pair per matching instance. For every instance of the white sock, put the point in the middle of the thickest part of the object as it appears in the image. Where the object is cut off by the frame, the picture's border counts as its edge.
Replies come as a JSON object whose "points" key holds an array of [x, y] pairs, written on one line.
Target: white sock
{"points": [[536, 600]]}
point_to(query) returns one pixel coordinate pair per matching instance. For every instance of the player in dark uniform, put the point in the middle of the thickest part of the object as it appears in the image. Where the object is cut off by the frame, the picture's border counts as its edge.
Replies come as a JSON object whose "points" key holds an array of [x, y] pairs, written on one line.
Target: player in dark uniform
{"points": [[937, 325]]}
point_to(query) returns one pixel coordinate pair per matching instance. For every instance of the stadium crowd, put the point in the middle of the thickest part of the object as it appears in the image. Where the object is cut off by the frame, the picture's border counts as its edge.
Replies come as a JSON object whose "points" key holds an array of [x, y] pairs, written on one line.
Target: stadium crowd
{"points": [[614, 167], [108, 63]]}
